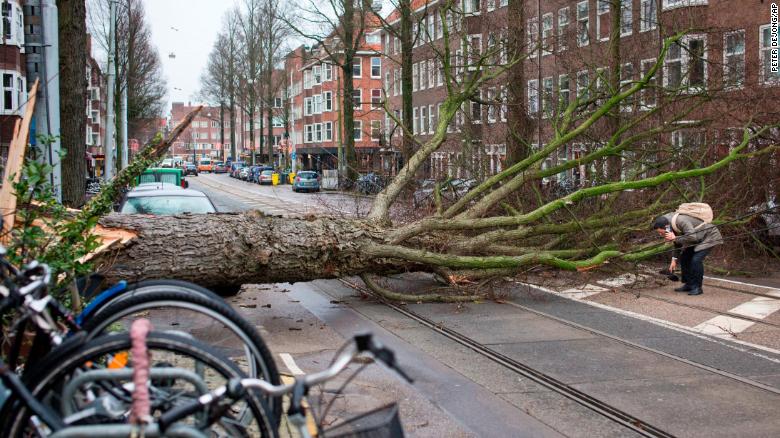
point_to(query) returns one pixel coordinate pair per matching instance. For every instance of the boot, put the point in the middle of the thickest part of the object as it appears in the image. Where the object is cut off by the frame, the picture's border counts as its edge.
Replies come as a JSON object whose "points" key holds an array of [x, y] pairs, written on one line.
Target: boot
{"points": [[695, 291], [683, 288]]}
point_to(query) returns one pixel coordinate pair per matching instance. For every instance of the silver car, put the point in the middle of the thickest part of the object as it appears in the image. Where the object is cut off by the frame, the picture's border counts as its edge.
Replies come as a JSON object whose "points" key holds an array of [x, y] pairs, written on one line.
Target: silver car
{"points": [[166, 202]]}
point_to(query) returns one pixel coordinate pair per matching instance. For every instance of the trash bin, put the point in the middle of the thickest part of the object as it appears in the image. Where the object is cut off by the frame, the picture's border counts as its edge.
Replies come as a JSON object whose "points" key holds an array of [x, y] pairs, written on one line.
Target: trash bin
{"points": [[275, 179], [292, 177]]}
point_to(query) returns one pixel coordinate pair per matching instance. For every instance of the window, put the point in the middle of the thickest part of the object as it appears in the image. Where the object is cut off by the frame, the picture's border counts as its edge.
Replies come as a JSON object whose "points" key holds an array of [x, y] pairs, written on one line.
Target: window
{"points": [[376, 98], [431, 73], [502, 3], [431, 28], [770, 73], [547, 33], [471, 6], [316, 72], [89, 135], [357, 98], [373, 38], [533, 96], [309, 133], [439, 27], [357, 67], [583, 85], [387, 83], [357, 131], [563, 92], [647, 98], [396, 45], [327, 101], [316, 104], [308, 106], [476, 110], [685, 63], [583, 24], [327, 72], [602, 22], [439, 73], [415, 121], [626, 17], [318, 132], [423, 120], [671, 4], [397, 82], [328, 134], [415, 74], [376, 130], [423, 81], [734, 58], [376, 67], [94, 93], [431, 122], [626, 78], [277, 122], [278, 102], [491, 109], [648, 15], [533, 36], [563, 26], [547, 96], [504, 95], [307, 79], [474, 50]]}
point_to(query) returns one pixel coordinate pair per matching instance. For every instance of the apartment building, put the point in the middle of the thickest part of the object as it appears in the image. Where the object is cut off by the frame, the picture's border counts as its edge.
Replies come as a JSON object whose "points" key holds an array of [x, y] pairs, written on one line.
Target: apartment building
{"points": [[96, 106], [727, 51], [314, 92], [13, 71], [202, 138]]}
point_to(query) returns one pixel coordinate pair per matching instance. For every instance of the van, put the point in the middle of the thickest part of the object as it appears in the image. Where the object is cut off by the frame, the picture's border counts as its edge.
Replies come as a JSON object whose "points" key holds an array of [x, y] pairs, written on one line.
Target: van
{"points": [[205, 165], [162, 175]]}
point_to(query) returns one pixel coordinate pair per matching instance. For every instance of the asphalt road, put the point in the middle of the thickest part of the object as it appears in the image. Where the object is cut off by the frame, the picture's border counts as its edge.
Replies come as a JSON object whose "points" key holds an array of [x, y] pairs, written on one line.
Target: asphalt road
{"points": [[691, 366]]}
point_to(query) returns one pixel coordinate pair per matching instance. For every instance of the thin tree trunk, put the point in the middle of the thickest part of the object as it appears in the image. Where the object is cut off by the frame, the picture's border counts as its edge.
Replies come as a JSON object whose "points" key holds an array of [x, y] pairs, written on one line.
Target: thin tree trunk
{"points": [[73, 99], [518, 123], [407, 47]]}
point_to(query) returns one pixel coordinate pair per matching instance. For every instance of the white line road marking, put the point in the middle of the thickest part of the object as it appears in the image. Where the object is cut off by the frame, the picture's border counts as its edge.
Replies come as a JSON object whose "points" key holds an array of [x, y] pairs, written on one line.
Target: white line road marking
{"points": [[751, 347], [726, 326], [579, 294], [289, 362], [770, 290]]}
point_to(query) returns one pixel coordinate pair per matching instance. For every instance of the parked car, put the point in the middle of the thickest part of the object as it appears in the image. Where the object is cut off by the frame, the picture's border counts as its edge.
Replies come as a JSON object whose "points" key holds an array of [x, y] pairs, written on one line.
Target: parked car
{"points": [[254, 174], [306, 181], [167, 163], [235, 168], [266, 177], [205, 165], [157, 174], [220, 167], [370, 184], [190, 169], [166, 201], [243, 173]]}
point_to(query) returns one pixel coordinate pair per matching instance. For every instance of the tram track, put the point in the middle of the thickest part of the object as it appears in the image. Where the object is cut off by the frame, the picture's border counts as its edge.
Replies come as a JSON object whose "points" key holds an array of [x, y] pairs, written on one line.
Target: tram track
{"points": [[613, 413]]}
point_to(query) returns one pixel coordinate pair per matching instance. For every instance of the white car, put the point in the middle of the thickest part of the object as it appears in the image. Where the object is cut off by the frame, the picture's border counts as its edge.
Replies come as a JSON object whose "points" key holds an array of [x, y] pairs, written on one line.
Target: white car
{"points": [[166, 201]]}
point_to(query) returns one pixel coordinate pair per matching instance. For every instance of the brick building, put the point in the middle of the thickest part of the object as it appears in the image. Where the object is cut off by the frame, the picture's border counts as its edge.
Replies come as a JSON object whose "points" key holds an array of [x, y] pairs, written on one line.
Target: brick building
{"points": [[729, 57], [202, 138], [315, 95], [12, 71]]}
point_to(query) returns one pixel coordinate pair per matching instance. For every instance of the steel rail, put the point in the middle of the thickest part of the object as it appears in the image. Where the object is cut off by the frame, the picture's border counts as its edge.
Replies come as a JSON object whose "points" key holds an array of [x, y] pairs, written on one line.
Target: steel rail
{"points": [[615, 414]]}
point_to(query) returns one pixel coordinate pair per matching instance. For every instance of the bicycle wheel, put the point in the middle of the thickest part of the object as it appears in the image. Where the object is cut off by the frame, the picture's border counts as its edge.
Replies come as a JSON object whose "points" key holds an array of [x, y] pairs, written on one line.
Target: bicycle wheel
{"points": [[167, 351], [213, 319]]}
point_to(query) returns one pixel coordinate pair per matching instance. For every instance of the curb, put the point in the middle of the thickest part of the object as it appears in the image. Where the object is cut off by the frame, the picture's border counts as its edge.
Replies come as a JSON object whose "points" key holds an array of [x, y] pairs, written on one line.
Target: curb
{"points": [[740, 286]]}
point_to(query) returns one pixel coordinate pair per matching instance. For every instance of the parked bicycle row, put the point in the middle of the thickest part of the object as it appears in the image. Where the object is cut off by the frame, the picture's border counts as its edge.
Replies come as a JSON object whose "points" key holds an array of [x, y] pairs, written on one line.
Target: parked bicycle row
{"points": [[116, 369]]}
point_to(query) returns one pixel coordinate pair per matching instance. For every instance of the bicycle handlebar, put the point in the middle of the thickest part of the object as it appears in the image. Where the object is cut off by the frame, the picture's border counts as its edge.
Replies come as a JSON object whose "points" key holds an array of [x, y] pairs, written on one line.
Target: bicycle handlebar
{"points": [[237, 387]]}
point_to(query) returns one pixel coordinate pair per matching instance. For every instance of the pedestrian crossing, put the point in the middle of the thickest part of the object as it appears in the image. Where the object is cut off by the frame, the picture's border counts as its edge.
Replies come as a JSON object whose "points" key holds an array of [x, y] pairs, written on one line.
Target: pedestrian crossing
{"points": [[761, 303]]}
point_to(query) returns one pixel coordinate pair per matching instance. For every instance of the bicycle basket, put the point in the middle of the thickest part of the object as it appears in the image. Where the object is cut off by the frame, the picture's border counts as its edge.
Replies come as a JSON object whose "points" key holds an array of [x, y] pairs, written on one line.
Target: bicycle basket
{"points": [[383, 422]]}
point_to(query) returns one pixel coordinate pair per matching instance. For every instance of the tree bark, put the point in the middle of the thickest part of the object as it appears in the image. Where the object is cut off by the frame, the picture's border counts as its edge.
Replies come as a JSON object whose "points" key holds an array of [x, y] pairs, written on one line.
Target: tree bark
{"points": [[73, 99], [224, 250]]}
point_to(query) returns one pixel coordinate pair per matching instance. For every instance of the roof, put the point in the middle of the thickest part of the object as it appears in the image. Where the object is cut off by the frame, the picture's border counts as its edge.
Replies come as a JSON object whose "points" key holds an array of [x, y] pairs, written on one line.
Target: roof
{"points": [[144, 193], [156, 185], [395, 15]]}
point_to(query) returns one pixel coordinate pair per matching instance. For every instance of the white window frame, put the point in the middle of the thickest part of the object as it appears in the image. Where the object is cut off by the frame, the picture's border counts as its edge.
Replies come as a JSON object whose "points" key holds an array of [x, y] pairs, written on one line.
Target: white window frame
{"points": [[563, 26], [584, 21], [685, 60], [423, 79], [601, 11], [726, 55], [674, 4], [532, 30], [583, 90], [371, 130], [648, 11], [415, 121], [561, 91], [431, 73], [327, 100], [548, 106], [316, 72], [491, 109], [378, 105], [430, 120], [415, 76], [626, 16], [308, 106], [627, 105], [357, 62], [327, 132], [533, 96], [423, 120], [547, 34], [318, 132], [378, 75], [357, 103], [764, 52], [644, 67], [357, 128]]}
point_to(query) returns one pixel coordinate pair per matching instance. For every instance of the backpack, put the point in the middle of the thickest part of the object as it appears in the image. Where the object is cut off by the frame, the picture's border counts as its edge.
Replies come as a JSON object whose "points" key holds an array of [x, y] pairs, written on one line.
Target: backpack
{"points": [[699, 210]]}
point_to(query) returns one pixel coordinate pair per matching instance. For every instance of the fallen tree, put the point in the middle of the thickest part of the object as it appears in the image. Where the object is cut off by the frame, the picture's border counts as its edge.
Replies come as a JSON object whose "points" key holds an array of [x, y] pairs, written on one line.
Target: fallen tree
{"points": [[508, 222]]}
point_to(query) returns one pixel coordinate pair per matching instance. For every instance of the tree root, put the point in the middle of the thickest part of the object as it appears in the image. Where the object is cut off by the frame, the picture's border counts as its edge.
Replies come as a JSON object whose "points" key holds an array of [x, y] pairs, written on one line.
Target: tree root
{"points": [[427, 298]]}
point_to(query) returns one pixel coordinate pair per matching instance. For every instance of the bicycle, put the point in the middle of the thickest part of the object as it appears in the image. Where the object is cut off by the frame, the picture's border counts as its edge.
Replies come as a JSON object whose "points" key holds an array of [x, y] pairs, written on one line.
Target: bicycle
{"points": [[38, 399], [196, 418], [121, 302]]}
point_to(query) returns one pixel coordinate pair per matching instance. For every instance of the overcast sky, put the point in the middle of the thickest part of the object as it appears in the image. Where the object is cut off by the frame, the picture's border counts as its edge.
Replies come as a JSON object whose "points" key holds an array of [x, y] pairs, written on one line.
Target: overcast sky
{"points": [[198, 22]]}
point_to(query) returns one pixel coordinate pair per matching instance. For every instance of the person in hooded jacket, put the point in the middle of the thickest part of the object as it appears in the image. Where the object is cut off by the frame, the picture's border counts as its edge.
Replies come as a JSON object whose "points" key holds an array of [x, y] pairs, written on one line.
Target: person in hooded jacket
{"points": [[692, 243]]}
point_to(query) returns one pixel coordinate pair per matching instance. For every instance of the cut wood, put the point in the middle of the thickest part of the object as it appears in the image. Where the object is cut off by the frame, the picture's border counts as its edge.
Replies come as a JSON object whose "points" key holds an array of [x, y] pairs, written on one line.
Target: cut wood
{"points": [[13, 168]]}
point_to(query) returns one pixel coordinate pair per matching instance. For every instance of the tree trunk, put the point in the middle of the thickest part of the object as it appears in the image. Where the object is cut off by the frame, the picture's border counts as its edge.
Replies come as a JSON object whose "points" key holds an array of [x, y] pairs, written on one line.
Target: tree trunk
{"points": [[519, 124], [235, 249], [73, 99], [407, 47]]}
